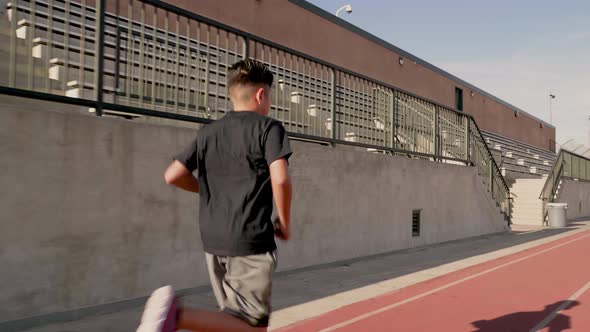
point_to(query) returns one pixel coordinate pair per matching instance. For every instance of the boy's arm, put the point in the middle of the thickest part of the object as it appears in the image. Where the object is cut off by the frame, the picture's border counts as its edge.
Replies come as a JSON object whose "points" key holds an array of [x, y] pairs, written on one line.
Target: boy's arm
{"points": [[282, 191], [179, 176]]}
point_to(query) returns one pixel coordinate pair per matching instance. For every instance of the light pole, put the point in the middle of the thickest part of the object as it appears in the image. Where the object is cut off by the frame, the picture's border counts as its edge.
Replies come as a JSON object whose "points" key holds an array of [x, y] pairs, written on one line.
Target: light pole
{"points": [[551, 97], [348, 9]]}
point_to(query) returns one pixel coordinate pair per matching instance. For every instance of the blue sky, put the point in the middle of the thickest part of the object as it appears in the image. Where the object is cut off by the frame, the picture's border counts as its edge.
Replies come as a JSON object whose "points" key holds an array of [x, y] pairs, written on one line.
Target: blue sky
{"points": [[518, 50]]}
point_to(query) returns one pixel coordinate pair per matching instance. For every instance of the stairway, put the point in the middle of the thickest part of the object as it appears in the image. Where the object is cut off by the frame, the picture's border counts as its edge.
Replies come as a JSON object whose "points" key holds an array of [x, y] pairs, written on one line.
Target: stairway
{"points": [[527, 208]]}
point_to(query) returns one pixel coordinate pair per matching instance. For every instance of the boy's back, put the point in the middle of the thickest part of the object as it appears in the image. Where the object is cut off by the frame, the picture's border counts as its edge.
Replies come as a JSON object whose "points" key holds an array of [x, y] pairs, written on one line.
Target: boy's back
{"points": [[232, 158]]}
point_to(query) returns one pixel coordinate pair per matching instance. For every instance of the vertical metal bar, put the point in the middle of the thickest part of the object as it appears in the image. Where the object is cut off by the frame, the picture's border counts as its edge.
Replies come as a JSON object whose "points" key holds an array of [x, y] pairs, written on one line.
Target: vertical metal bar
{"points": [[246, 50], [198, 69], [373, 104], [284, 89], [142, 65], [129, 52], [467, 144], [375, 122], [188, 67], [395, 119], [348, 107], [318, 104], [280, 115], [333, 108], [491, 169], [290, 88], [83, 10], [177, 70], [227, 64], [436, 134], [154, 53], [355, 89], [296, 87], [66, 63], [207, 65], [350, 111], [99, 56], [12, 60], [117, 50], [50, 46], [306, 81], [33, 18], [161, 72], [383, 107], [234, 58], [164, 82]]}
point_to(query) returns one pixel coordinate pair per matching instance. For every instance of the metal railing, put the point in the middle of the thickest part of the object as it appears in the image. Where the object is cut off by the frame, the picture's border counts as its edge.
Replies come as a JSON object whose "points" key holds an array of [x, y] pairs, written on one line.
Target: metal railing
{"points": [[568, 165], [147, 57]]}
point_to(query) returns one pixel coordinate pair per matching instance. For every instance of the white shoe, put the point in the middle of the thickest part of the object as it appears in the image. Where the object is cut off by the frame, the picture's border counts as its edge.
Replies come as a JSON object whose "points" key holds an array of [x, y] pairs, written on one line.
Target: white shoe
{"points": [[160, 312]]}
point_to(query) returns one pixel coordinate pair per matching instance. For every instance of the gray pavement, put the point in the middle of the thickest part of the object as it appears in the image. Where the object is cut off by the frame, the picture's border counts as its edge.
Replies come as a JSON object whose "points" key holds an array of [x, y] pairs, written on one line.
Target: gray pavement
{"points": [[305, 293]]}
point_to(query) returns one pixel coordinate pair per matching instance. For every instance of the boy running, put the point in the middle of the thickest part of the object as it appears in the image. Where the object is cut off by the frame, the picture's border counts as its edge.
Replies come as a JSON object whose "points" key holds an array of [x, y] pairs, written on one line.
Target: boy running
{"points": [[241, 165]]}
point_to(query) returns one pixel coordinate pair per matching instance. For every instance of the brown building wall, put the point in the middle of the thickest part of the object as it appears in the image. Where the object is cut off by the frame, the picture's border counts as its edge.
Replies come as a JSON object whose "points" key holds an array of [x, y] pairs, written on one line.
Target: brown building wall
{"points": [[293, 26]]}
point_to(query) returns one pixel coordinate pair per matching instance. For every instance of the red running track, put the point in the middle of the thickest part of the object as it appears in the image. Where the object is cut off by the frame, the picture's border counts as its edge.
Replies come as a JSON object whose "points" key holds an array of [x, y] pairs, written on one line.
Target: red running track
{"points": [[545, 288]]}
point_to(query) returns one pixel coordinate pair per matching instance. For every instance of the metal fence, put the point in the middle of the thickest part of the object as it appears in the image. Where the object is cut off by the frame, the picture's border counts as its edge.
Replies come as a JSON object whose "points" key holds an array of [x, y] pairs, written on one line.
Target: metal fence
{"points": [[568, 165], [147, 57]]}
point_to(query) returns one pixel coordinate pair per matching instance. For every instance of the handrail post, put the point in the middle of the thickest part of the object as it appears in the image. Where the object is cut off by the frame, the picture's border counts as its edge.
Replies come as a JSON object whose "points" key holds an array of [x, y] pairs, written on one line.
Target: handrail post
{"points": [[99, 56], [333, 98], [436, 140], [491, 176], [467, 156], [246, 47], [393, 118]]}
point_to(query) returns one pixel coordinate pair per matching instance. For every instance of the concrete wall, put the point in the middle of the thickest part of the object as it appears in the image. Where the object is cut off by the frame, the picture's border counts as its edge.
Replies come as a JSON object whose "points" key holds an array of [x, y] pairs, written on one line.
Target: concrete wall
{"points": [[291, 25], [86, 217], [577, 195]]}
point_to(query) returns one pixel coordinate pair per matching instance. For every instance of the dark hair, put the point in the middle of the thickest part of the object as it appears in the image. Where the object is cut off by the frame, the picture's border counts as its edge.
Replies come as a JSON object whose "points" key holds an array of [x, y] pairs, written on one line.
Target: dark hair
{"points": [[249, 72]]}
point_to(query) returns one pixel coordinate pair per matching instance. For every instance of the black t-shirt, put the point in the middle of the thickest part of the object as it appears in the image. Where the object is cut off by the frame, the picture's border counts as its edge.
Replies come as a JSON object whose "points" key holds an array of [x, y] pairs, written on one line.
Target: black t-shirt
{"points": [[232, 158]]}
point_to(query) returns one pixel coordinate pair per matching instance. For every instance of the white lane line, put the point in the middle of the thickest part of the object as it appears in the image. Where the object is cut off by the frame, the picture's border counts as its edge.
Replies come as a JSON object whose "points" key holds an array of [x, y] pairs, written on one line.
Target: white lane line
{"points": [[563, 306], [394, 305]]}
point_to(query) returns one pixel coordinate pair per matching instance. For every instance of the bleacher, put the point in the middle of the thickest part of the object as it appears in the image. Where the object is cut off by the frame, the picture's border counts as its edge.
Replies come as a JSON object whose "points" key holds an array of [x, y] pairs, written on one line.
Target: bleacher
{"points": [[519, 160]]}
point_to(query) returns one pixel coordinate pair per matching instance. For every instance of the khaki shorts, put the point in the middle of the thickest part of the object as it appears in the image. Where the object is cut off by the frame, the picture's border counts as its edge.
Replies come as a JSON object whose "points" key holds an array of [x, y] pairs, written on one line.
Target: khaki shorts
{"points": [[242, 285]]}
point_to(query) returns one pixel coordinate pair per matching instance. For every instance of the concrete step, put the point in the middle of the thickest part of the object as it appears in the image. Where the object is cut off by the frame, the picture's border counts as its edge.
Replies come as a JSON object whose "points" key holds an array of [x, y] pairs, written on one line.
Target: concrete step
{"points": [[530, 198], [526, 209], [526, 187], [527, 217], [527, 202], [532, 181], [518, 221], [534, 216], [526, 190], [538, 183]]}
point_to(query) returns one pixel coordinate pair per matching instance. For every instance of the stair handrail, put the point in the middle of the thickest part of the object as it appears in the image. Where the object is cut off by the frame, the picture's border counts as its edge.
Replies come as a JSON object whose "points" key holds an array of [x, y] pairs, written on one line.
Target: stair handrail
{"points": [[553, 178], [558, 173]]}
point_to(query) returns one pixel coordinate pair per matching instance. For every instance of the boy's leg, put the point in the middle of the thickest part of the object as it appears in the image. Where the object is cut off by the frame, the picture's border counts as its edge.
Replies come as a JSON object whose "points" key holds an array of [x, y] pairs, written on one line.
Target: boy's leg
{"points": [[242, 285], [162, 315], [242, 288]]}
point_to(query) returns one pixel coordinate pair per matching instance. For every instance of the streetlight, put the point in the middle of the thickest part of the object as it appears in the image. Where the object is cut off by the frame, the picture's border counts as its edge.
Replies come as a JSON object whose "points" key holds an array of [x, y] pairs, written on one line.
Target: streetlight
{"points": [[348, 9], [551, 97]]}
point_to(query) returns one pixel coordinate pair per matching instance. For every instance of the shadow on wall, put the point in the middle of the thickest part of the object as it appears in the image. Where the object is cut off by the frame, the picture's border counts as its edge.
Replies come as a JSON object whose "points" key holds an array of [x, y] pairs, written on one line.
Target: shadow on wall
{"points": [[525, 321]]}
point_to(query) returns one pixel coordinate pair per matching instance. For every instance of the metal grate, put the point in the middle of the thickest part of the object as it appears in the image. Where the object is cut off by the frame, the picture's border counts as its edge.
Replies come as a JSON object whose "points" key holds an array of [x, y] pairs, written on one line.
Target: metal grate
{"points": [[416, 223]]}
